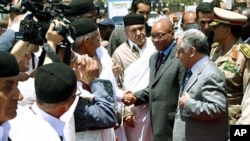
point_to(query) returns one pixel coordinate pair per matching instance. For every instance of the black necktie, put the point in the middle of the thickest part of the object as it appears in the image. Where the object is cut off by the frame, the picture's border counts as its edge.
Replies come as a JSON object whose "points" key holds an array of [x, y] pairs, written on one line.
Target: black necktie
{"points": [[61, 138], [9, 139], [187, 76], [160, 60]]}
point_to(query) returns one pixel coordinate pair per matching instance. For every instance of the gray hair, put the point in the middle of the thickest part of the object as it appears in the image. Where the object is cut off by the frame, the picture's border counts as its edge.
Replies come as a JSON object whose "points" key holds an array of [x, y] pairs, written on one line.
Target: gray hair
{"points": [[195, 38]]}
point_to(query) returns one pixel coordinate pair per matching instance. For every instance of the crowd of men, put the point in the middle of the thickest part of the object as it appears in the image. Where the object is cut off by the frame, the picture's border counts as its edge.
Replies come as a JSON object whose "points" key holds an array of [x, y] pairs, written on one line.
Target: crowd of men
{"points": [[131, 83]]}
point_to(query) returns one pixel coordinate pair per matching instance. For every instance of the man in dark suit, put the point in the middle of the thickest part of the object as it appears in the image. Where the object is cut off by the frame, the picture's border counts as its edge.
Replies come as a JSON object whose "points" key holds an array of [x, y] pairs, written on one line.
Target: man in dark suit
{"points": [[166, 76], [202, 106]]}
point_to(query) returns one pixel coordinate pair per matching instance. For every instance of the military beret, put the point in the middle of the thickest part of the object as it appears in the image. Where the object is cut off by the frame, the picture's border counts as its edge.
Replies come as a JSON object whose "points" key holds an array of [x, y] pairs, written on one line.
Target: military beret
{"points": [[79, 7], [8, 65], [83, 26], [107, 22], [227, 17], [54, 83], [133, 19]]}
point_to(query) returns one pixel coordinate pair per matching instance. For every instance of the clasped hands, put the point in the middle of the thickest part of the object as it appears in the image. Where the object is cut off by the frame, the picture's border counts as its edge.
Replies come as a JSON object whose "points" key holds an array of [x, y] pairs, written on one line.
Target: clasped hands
{"points": [[129, 99]]}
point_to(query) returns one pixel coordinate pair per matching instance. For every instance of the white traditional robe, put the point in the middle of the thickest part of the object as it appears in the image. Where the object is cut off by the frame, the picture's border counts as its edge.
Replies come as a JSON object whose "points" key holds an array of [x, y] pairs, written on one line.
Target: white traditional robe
{"points": [[136, 77]]}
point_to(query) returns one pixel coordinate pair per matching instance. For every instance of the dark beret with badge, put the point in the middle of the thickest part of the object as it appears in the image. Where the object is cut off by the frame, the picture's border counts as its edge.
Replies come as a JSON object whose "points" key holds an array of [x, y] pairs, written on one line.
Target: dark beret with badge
{"points": [[8, 65], [54, 83], [133, 19], [83, 26], [79, 7], [227, 17]]}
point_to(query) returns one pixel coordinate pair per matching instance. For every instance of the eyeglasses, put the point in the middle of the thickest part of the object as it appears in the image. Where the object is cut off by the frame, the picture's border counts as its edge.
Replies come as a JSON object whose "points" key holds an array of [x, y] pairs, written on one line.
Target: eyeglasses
{"points": [[160, 36]]}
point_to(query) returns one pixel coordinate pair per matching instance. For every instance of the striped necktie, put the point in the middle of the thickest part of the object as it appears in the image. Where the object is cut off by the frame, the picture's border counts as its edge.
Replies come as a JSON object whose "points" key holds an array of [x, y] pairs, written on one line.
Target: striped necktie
{"points": [[187, 76], [160, 60]]}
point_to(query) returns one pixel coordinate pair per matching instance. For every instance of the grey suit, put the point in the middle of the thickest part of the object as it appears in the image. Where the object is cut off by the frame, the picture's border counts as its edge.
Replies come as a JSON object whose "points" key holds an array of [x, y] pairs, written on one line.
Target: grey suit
{"points": [[204, 116], [162, 95]]}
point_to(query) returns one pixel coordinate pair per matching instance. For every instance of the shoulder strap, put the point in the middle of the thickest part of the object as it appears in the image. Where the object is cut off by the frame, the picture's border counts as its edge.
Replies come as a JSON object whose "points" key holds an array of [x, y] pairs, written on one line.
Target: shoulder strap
{"points": [[51, 53], [245, 49]]}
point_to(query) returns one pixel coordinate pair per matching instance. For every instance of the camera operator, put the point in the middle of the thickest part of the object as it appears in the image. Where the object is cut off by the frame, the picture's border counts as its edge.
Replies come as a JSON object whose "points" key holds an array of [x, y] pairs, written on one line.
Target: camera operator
{"points": [[85, 68], [14, 16], [101, 102]]}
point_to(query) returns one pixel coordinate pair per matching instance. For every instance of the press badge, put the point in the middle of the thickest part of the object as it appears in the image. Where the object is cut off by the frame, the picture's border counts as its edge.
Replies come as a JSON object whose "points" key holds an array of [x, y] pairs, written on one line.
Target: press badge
{"points": [[231, 67]]}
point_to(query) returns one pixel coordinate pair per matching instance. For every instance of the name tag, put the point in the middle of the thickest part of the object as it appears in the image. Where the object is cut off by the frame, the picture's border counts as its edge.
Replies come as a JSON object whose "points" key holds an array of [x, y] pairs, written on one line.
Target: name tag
{"points": [[231, 67]]}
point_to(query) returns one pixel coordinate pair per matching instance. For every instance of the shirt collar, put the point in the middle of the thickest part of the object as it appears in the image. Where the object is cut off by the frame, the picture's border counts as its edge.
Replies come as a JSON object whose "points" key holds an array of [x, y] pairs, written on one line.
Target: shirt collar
{"points": [[132, 44], [196, 66], [4, 131], [167, 50], [56, 123]]}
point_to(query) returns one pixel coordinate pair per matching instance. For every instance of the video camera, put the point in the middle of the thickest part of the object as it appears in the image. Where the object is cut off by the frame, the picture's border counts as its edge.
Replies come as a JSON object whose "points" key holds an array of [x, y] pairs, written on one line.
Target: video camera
{"points": [[35, 25], [6, 6]]}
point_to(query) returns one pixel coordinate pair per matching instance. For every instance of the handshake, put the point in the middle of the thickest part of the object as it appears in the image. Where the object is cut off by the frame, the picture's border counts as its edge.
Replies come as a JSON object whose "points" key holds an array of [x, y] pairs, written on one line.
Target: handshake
{"points": [[129, 98]]}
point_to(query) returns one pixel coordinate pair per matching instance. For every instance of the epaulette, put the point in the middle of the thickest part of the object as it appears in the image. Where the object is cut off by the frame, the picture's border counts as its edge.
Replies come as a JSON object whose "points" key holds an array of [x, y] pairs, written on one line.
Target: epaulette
{"points": [[245, 49], [215, 44]]}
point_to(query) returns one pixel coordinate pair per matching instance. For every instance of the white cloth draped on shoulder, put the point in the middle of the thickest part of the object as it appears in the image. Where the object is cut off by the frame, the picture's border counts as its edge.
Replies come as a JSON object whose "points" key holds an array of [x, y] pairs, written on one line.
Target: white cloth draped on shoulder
{"points": [[136, 77]]}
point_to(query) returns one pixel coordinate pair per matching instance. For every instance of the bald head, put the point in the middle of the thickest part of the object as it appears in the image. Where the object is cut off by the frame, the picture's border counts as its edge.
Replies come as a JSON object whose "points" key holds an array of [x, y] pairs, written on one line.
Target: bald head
{"points": [[188, 18], [162, 34], [163, 24]]}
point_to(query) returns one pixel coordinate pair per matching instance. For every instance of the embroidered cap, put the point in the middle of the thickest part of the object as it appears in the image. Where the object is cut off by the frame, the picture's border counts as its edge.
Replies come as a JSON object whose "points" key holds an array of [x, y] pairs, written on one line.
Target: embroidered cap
{"points": [[54, 83], [133, 19], [79, 7], [8, 65], [83, 26]]}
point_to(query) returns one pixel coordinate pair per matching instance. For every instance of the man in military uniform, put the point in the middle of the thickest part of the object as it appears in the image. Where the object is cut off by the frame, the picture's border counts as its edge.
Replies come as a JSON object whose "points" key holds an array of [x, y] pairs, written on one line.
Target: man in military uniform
{"points": [[227, 55], [245, 104]]}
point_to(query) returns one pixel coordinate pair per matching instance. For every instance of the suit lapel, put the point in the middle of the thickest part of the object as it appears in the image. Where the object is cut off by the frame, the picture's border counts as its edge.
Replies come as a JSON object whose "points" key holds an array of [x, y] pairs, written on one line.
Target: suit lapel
{"points": [[194, 77], [164, 66], [152, 65]]}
